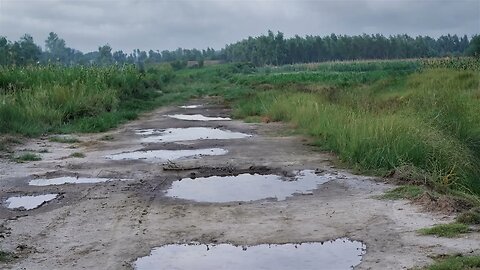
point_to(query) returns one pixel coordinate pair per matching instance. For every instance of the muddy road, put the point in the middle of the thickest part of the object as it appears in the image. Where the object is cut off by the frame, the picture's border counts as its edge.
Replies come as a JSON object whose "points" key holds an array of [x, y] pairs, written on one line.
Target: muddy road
{"points": [[244, 186]]}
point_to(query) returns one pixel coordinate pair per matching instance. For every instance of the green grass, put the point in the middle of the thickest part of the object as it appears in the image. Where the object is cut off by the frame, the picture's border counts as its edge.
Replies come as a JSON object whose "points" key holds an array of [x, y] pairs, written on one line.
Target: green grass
{"points": [[456, 263], [28, 157], [471, 216], [403, 192], [427, 120], [77, 155], [37, 100], [446, 230], [5, 256], [64, 139]]}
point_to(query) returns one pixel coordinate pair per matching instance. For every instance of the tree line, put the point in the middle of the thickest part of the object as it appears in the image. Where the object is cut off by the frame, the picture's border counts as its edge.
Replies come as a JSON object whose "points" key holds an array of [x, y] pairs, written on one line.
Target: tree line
{"points": [[269, 49]]}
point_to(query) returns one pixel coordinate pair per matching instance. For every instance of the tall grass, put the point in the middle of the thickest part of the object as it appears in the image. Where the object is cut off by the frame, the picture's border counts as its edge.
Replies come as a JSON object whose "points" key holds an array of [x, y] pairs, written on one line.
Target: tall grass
{"points": [[35, 100], [428, 120]]}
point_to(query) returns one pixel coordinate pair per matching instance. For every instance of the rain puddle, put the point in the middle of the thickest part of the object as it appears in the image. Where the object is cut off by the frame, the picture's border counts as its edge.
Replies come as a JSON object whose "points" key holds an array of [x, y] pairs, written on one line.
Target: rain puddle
{"points": [[71, 180], [188, 134], [191, 106], [197, 117], [29, 202], [338, 254], [167, 154], [246, 187]]}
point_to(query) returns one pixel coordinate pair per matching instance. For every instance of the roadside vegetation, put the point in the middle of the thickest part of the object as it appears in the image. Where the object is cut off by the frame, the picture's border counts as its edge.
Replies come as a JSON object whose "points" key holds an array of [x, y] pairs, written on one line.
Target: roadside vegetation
{"points": [[457, 262], [418, 118], [446, 230]]}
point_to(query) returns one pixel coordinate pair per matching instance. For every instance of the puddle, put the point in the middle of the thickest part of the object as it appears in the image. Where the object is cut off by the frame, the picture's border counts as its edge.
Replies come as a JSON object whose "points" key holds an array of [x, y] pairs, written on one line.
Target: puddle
{"points": [[71, 180], [29, 202], [188, 134], [167, 154], [191, 106], [197, 117], [245, 187], [333, 255]]}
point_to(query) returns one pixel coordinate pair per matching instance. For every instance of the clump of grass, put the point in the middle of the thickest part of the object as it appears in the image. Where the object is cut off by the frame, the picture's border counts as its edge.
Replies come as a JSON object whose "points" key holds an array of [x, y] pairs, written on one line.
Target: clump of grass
{"points": [[446, 230], [77, 155], [107, 138], [43, 150], [5, 256], [64, 139], [403, 192], [470, 217], [456, 263], [28, 157]]}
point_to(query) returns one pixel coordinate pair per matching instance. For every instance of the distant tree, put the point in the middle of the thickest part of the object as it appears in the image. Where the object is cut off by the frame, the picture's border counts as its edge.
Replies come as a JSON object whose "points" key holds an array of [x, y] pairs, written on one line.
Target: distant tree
{"points": [[119, 57], [105, 56], [474, 47]]}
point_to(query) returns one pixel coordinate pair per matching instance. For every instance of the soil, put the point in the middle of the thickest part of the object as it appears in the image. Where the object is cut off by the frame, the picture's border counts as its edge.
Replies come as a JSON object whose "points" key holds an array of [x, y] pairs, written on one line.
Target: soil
{"points": [[109, 225]]}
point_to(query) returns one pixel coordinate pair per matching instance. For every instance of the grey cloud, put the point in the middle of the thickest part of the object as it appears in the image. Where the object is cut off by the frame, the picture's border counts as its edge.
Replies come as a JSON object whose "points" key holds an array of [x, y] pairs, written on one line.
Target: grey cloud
{"points": [[148, 24]]}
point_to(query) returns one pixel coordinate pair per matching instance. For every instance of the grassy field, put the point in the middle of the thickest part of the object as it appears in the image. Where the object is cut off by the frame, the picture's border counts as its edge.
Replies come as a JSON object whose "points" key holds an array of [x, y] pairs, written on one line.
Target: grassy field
{"points": [[416, 120], [421, 119], [38, 100]]}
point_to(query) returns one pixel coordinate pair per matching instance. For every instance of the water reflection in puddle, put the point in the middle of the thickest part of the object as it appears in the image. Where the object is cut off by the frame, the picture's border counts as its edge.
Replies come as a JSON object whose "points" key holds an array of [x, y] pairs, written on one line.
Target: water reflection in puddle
{"points": [[191, 106], [197, 117], [71, 180], [245, 187], [29, 202], [333, 255], [188, 134], [167, 154]]}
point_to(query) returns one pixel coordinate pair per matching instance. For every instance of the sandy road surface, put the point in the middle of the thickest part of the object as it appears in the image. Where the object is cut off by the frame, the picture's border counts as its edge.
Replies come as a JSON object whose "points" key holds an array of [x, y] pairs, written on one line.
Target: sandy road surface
{"points": [[109, 225]]}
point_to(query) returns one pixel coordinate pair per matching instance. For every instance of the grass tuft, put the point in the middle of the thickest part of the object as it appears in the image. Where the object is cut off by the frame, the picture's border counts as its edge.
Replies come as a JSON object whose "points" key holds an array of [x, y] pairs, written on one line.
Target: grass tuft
{"points": [[470, 217], [77, 155], [28, 157], [5, 256], [446, 230]]}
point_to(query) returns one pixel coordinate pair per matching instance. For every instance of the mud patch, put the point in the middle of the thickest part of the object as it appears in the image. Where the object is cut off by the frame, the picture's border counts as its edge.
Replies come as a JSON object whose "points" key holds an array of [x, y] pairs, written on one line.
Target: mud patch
{"points": [[188, 134], [338, 254], [29, 202], [167, 154], [246, 187], [197, 117], [71, 180]]}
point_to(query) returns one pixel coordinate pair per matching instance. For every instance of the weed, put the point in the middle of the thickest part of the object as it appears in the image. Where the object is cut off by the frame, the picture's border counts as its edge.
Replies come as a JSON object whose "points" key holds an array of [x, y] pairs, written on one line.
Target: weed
{"points": [[43, 150], [445, 230], [470, 217], [28, 157], [77, 155], [5, 256]]}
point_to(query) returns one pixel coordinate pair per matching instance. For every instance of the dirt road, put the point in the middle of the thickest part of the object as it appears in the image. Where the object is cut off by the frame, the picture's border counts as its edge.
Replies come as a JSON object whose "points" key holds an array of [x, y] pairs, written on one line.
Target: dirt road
{"points": [[109, 225]]}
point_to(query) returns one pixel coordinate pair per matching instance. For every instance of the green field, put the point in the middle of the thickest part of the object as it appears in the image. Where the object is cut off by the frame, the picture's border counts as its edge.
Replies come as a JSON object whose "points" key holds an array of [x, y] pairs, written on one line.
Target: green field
{"points": [[418, 120]]}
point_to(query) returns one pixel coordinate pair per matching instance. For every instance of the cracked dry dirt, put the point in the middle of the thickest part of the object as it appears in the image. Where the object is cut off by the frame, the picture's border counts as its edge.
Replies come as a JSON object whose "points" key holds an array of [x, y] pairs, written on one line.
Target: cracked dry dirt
{"points": [[109, 225]]}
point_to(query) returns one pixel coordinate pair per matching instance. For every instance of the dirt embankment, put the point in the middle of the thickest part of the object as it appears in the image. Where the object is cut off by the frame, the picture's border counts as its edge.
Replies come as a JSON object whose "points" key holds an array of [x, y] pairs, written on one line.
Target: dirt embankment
{"points": [[108, 225]]}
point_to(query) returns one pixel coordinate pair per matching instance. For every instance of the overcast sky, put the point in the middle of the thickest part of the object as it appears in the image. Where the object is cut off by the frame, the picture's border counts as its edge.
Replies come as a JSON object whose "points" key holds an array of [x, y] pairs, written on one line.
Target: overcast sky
{"points": [[159, 25]]}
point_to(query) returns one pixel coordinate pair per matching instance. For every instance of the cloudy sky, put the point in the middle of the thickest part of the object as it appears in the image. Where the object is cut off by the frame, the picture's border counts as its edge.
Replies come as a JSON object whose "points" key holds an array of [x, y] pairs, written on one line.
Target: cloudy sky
{"points": [[150, 24]]}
